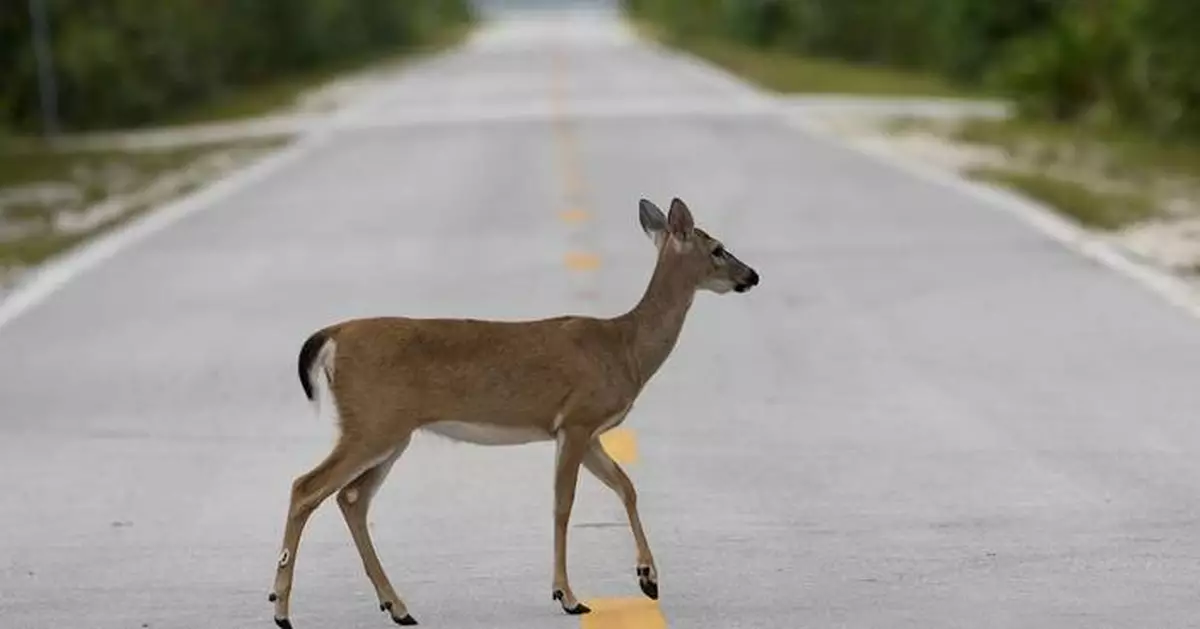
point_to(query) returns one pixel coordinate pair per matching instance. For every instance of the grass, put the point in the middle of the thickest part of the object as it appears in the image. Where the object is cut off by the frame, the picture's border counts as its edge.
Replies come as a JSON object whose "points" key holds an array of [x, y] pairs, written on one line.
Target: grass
{"points": [[43, 164], [37, 248], [250, 102], [1122, 153], [1099, 210], [785, 72], [280, 94]]}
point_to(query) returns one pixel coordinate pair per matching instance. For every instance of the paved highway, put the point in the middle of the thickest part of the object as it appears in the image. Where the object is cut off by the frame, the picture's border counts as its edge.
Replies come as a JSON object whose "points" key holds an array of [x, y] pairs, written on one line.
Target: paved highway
{"points": [[927, 415]]}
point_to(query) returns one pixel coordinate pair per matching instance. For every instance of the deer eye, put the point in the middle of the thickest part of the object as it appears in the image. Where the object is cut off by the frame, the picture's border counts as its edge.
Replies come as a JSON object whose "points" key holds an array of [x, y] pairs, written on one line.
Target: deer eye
{"points": [[719, 252]]}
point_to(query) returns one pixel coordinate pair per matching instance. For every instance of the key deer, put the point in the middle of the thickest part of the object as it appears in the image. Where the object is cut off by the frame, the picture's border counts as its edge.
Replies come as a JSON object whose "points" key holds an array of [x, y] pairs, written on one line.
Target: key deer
{"points": [[566, 379]]}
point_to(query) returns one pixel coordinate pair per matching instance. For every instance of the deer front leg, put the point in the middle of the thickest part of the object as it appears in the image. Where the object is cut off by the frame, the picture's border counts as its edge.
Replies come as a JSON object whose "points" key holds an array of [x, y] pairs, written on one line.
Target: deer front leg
{"points": [[571, 448], [607, 471]]}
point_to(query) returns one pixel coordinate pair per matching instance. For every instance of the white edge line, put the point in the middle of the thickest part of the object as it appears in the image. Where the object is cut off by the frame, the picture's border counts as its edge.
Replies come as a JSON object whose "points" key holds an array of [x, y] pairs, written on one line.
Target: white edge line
{"points": [[52, 275]]}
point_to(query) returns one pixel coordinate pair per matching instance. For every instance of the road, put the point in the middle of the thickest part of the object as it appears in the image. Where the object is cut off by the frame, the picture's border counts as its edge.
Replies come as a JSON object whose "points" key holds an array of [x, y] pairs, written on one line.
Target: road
{"points": [[927, 415]]}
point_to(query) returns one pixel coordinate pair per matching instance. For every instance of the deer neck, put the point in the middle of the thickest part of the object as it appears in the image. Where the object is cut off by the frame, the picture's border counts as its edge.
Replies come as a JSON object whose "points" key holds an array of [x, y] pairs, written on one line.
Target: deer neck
{"points": [[654, 324]]}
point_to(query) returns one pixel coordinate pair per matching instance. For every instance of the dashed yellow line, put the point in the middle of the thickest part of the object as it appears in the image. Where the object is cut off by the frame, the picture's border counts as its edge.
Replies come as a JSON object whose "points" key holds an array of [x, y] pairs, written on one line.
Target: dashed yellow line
{"points": [[620, 444], [581, 261], [574, 215], [623, 613]]}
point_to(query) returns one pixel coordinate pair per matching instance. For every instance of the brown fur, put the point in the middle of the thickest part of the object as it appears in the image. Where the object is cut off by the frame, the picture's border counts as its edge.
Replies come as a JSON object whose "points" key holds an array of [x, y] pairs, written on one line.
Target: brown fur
{"points": [[567, 378]]}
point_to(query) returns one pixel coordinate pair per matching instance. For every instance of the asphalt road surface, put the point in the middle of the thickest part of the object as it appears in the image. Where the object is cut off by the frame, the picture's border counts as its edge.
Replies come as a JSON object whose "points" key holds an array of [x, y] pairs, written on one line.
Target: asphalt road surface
{"points": [[927, 415]]}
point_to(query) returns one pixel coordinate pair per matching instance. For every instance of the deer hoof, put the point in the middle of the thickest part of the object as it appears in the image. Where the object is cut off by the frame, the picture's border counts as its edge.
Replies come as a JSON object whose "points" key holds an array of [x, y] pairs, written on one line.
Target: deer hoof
{"points": [[407, 620], [648, 583], [283, 623], [576, 610], [649, 588]]}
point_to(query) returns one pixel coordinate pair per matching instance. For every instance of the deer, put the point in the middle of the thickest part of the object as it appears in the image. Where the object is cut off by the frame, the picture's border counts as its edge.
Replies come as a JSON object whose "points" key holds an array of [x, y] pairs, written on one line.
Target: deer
{"points": [[566, 379]]}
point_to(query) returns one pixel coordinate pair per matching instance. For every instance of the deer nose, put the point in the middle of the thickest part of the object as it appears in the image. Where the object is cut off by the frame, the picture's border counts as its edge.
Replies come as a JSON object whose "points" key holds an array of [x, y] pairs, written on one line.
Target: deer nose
{"points": [[748, 283]]}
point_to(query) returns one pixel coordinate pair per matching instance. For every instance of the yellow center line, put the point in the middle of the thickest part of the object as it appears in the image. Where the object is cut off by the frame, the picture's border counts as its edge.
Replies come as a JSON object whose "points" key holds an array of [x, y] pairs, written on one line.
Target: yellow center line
{"points": [[620, 443], [567, 145]]}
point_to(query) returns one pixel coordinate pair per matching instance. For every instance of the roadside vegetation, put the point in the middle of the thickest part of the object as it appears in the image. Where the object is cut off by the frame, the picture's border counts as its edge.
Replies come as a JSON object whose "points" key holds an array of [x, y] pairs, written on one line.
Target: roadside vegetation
{"points": [[131, 63], [1105, 210], [139, 65], [51, 200], [281, 94], [785, 72], [1106, 94], [1105, 180]]}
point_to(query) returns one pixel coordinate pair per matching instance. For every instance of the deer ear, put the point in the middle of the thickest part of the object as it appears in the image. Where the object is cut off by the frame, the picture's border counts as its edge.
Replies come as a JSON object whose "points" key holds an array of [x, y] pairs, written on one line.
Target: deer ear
{"points": [[679, 220], [654, 223]]}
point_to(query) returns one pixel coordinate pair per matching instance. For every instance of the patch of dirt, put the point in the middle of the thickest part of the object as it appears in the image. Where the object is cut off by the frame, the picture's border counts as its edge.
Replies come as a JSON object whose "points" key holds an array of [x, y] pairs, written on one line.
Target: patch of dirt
{"points": [[41, 193], [926, 141], [938, 151], [1171, 243]]}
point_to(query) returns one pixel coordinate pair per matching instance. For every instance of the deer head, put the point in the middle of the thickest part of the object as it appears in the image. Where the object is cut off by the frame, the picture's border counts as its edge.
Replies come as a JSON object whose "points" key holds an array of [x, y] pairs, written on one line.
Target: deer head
{"points": [[692, 252]]}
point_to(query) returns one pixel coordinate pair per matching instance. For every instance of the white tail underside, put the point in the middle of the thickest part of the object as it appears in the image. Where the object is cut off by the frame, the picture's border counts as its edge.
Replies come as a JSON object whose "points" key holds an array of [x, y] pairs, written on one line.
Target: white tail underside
{"points": [[322, 366]]}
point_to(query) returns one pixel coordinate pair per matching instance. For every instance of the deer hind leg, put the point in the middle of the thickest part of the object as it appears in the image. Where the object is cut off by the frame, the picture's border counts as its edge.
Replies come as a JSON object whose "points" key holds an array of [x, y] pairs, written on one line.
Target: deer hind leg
{"points": [[571, 448], [607, 471], [355, 500], [343, 464]]}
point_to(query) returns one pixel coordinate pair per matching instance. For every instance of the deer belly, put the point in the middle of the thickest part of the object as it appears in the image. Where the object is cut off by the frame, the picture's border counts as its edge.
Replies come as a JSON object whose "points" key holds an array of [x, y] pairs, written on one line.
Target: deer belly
{"points": [[487, 434]]}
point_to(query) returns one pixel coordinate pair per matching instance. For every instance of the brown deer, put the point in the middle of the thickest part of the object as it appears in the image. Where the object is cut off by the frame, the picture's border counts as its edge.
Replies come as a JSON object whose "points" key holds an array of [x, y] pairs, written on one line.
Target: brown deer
{"points": [[567, 379]]}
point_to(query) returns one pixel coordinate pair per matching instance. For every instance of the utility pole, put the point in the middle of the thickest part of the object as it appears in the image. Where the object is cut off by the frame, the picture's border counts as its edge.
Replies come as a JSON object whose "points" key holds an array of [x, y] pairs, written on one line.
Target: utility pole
{"points": [[47, 85]]}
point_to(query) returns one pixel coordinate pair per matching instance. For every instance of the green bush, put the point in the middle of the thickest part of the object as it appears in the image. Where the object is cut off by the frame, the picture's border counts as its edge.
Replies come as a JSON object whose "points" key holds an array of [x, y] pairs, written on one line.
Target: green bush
{"points": [[1133, 63], [1079, 67], [130, 62], [1167, 66]]}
